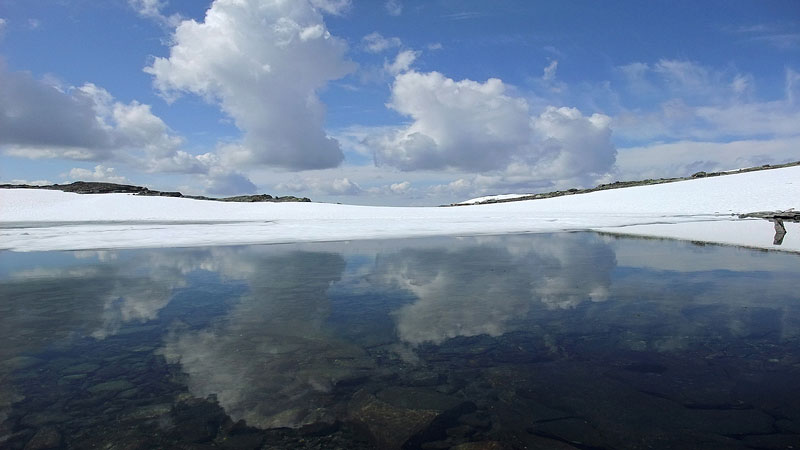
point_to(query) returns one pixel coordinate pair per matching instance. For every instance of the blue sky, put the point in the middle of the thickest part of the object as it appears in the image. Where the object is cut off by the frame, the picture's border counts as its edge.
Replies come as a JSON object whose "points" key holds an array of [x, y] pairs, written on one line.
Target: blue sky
{"points": [[393, 102]]}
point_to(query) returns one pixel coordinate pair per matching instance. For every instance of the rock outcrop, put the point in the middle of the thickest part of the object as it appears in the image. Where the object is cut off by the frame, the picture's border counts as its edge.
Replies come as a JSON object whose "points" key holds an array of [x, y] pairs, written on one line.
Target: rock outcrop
{"points": [[93, 187]]}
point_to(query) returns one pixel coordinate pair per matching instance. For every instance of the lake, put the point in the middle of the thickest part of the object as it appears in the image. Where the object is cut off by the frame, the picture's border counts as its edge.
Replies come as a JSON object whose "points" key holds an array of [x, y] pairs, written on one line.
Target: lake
{"points": [[540, 341]]}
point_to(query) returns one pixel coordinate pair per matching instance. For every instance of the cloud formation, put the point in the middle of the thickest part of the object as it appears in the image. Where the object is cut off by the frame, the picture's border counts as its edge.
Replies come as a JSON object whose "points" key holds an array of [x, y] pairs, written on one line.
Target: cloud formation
{"points": [[39, 120], [333, 186], [483, 128], [704, 119], [509, 278], [152, 9], [394, 7], [86, 123], [263, 63], [376, 43], [100, 173]]}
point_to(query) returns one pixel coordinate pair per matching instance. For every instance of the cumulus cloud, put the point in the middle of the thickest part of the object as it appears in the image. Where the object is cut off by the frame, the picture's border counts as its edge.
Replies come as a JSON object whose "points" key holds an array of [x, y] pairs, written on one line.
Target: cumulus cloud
{"points": [[263, 64], [100, 173], [37, 116], [482, 128], [402, 62], [41, 120], [376, 43], [400, 188]]}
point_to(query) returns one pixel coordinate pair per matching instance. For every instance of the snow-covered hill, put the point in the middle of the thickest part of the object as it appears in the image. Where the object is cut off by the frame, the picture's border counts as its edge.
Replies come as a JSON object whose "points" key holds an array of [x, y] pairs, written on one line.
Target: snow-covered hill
{"points": [[702, 209]]}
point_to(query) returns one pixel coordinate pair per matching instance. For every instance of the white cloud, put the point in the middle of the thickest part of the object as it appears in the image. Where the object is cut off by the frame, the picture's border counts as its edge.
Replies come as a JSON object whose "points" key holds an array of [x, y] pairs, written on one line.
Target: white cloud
{"points": [[100, 173], [332, 186], [40, 120], [400, 188], [41, 117], [550, 71], [402, 62], [34, 24], [376, 43], [700, 103], [31, 183], [776, 35], [152, 9], [225, 182], [793, 87], [742, 84], [335, 7], [548, 79], [3, 23], [263, 63], [446, 305], [481, 128], [394, 7], [683, 158]]}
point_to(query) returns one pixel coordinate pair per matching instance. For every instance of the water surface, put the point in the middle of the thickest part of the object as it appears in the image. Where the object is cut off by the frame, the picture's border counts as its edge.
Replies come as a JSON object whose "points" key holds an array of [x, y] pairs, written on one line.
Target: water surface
{"points": [[570, 340]]}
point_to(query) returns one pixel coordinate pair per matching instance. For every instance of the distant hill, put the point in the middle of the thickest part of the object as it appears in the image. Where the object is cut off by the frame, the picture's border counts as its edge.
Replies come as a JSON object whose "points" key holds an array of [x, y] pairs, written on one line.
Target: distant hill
{"points": [[505, 198], [92, 187]]}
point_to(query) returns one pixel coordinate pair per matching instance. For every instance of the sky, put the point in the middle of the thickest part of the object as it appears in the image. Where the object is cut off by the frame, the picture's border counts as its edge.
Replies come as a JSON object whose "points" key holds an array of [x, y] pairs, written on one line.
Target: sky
{"points": [[393, 102]]}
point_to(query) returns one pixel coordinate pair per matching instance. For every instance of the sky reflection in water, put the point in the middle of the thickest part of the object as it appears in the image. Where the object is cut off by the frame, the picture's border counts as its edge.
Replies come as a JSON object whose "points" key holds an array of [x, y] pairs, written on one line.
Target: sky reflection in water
{"points": [[563, 326]]}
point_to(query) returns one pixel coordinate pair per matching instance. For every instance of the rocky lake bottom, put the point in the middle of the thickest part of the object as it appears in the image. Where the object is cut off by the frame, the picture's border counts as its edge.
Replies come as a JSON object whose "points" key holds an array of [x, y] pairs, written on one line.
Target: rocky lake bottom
{"points": [[555, 341]]}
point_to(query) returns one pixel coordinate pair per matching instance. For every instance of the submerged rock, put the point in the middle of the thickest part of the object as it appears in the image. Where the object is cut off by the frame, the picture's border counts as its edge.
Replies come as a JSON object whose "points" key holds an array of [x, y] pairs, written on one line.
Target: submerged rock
{"points": [[45, 438], [111, 386], [389, 426]]}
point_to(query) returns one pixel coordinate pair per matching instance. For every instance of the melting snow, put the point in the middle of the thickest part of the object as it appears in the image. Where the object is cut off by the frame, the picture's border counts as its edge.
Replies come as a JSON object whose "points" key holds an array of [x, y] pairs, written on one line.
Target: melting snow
{"points": [[702, 209]]}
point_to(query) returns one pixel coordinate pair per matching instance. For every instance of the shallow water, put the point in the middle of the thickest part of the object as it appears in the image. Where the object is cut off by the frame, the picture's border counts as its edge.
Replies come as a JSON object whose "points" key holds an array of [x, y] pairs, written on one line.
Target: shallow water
{"points": [[570, 340]]}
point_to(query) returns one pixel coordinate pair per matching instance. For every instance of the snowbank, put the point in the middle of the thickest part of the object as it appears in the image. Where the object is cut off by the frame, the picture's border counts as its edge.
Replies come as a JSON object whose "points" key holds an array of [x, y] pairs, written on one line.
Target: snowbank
{"points": [[472, 201], [702, 209]]}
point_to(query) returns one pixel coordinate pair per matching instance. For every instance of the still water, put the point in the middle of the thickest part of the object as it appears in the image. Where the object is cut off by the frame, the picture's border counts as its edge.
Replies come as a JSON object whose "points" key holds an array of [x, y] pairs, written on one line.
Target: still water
{"points": [[572, 340]]}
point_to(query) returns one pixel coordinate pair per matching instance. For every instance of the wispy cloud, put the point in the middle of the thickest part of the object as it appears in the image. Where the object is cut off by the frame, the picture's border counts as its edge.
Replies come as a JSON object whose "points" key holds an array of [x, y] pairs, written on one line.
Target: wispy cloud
{"points": [[394, 7], [464, 15], [781, 36]]}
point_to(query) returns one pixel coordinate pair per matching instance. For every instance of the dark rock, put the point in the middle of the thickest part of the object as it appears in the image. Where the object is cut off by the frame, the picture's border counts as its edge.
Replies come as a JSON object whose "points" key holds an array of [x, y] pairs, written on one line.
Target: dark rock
{"points": [[773, 440], [420, 379], [388, 426], [788, 426], [476, 420], [417, 398], [148, 412], [111, 386], [43, 418], [483, 445], [45, 438], [82, 368], [93, 187], [242, 441], [319, 428], [730, 421], [576, 431]]}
